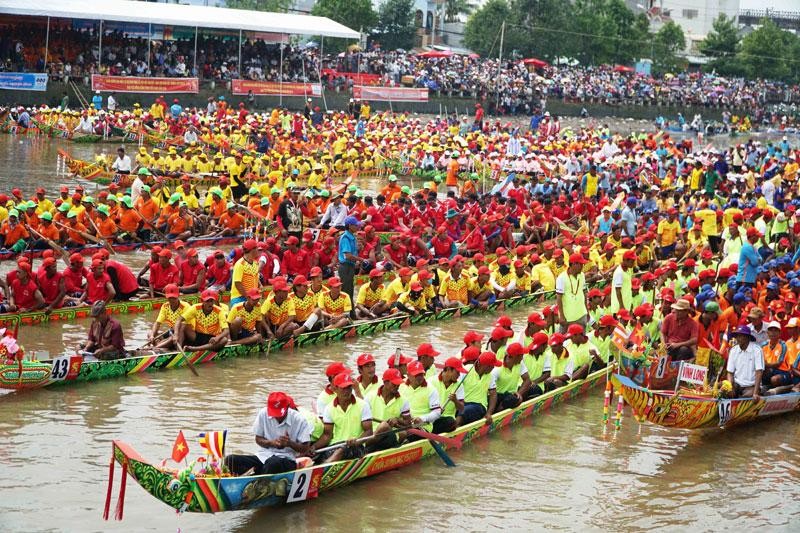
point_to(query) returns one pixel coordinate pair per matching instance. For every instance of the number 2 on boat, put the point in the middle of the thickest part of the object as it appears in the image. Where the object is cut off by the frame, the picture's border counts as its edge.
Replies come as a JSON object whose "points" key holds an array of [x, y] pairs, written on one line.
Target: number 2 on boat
{"points": [[302, 489]]}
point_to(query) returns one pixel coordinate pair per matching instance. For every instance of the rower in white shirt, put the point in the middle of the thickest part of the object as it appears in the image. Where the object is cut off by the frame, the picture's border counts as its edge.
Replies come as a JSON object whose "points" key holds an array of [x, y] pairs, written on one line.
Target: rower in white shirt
{"points": [[122, 165]]}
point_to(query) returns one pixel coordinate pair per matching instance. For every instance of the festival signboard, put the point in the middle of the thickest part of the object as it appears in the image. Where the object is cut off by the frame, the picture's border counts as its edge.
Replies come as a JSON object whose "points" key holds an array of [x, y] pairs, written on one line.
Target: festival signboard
{"points": [[274, 88], [23, 81], [391, 94], [136, 84]]}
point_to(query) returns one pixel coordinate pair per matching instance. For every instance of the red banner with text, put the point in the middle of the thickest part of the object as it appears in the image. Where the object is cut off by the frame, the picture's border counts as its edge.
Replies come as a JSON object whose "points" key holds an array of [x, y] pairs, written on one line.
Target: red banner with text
{"points": [[274, 88], [391, 94], [135, 84], [358, 79]]}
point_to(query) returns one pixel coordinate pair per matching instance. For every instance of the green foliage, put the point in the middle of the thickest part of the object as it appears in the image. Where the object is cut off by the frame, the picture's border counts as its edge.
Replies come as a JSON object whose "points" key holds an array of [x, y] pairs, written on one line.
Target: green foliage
{"points": [[770, 53], [721, 45], [355, 14], [396, 24], [668, 42], [482, 30], [454, 8], [273, 6]]}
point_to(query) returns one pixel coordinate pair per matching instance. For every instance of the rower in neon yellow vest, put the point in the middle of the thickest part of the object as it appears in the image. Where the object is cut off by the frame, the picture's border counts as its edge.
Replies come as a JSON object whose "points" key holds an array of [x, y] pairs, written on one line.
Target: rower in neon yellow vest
{"points": [[451, 394], [423, 399], [538, 361], [621, 296], [425, 355], [571, 292], [511, 378], [480, 390], [389, 410], [558, 362], [346, 419]]}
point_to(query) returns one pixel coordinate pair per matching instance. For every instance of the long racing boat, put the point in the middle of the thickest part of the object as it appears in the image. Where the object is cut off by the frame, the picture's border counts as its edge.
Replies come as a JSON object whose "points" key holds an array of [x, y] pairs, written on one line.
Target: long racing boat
{"points": [[72, 369], [185, 490]]}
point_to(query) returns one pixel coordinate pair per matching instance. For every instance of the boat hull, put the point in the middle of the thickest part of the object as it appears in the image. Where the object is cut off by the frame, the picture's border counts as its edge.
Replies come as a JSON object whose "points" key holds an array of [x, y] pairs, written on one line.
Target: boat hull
{"points": [[218, 494], [695, 412]]}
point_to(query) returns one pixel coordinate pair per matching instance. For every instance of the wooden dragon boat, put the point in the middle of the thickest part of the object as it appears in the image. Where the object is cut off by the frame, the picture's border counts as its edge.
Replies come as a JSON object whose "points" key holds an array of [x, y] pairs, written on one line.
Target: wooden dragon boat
{"points": [[696, 411], [198, 493], [71, 369]]}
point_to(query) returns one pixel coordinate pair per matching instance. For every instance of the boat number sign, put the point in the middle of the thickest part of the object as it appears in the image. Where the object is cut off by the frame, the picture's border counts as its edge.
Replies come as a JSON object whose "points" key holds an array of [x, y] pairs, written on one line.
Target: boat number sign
{"points": [[305, 485], [725, 411], [661, 366], [66, 367]]}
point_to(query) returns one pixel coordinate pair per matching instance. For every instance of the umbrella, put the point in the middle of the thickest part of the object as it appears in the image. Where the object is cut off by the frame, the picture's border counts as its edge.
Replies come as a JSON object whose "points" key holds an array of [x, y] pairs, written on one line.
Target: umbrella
{"points": [[622, 68], [435, 53], [537, 63]]}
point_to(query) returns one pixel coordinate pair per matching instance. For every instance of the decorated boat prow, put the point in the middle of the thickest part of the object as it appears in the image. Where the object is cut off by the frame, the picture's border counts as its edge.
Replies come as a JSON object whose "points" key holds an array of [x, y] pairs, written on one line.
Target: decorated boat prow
{"points": [[189, 491], [695, 410]]}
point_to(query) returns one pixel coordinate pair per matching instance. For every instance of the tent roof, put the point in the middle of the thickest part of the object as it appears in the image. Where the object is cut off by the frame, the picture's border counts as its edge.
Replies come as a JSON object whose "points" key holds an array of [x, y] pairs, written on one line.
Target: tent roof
{"points": [[179, 15]]}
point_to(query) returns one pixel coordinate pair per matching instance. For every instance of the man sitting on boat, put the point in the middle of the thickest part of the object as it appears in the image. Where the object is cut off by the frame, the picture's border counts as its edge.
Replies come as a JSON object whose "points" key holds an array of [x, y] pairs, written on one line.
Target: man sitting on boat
{"points": [[679, 332], [203, 325], [346, 419], [105, 340], [281, 433], [745, 364]]}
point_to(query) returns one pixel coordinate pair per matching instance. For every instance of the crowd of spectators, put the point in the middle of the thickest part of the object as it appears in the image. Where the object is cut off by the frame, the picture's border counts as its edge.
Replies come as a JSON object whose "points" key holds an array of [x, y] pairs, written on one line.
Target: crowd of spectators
{"points": [[510, 86]]}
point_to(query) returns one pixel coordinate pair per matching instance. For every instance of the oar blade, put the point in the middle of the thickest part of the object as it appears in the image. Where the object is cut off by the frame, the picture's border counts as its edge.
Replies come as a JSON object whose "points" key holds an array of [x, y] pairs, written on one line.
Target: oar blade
{"points": [[442, 454]]}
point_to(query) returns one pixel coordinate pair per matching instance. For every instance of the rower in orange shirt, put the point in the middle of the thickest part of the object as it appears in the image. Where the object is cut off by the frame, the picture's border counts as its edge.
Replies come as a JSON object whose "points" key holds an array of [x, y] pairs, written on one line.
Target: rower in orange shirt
{"points": [[391, 189], [47, 229], [129, 220], [105, 224], [179, 225], [230, 223], [13, 232], [74, 237], [147, 207], [217, 206]]}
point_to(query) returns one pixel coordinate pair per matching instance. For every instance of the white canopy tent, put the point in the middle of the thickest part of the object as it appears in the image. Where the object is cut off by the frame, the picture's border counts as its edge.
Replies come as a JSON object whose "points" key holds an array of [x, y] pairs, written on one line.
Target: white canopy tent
{"points": [[179, 15]]}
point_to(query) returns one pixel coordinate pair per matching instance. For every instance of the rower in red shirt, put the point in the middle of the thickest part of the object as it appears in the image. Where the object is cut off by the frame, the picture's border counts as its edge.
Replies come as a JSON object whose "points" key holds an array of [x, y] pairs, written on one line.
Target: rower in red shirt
{"points": [[192, 274], [98, 284], [294, 260], [24, 294], [218, 271], [51, 284], [162, 273], [396, 252], [74, 275], [443, 245], [122, 277]]}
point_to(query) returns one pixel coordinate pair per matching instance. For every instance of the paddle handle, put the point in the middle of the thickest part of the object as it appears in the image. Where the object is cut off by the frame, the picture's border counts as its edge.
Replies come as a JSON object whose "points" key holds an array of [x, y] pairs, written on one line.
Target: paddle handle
{"points": [[460, 383]]}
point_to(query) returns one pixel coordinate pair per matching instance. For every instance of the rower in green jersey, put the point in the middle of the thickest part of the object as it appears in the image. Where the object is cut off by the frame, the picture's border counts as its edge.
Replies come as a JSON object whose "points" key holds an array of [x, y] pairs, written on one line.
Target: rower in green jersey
{"points": [[581, 353], [328, 394], [472, 339], [346, 419], [389, 411], [480, 391], [511, 378], [602, 338], [535, 324], [498, 341], [366, 381], [621, 280], [425, 355], [594, 304], [558, 362], [423, 398], [650, 328], [504, 321], [451, 394], [537, 361]]}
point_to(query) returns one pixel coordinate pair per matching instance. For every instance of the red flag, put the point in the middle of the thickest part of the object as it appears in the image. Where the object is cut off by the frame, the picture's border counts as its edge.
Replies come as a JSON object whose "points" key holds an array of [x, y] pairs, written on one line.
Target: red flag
{"points": [[180, 449]]}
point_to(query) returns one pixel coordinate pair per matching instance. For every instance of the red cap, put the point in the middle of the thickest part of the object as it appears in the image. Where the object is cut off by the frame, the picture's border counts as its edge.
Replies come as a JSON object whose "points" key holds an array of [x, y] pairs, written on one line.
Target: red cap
{"points": [[335, 369], [398, 360], [48, 261], [470, 354], [405, 272], [455, 362], [299, 280], [472, 336], [209, 294], [691, 263], [392, 375], [415, 287], [277, 404], [539, 339], [427, 349], [165, 253], [76, 258], [629, 255], [292, 240], [172, 291], [365, 359], [415, 368], [315, 271], [376, 273], [488, 359], [484, 271], [249, 244], [343, 380], [424, 275], [503, 260], [706, 254], [556, 338], [753, 232], [536, 318], [504, 321], [334, 282], [254, 294], [515, 348], [575, 329], [500, 334], [624, 314], [191, 252], [608, 321]]}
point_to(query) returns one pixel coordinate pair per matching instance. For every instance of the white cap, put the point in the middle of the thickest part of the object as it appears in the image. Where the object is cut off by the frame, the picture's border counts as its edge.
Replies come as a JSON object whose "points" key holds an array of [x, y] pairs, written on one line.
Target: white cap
{"points": [[773, 324]]}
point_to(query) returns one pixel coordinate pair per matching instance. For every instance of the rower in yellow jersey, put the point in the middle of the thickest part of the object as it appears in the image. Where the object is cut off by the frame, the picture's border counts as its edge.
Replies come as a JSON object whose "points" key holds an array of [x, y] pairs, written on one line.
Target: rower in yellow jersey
{"points": [[203, 325], [168, 315]]}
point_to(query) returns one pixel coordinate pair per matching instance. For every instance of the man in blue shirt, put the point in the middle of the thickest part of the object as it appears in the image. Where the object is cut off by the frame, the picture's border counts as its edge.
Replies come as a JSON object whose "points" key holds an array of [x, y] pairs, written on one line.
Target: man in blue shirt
{"points": [[348, 255], [175, 109], [97, 101], [629, 218], [749, 260]]}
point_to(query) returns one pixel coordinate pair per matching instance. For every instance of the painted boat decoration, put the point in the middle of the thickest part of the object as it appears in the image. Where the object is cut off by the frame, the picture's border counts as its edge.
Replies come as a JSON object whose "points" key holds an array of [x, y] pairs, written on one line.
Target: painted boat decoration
{"points": [[218, 494], [72, 369], [688, 411]]}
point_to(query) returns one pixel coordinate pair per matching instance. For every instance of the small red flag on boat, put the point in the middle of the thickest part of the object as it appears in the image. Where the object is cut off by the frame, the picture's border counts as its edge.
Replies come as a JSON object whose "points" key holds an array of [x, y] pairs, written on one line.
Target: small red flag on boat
{"points": [[180, 449]]}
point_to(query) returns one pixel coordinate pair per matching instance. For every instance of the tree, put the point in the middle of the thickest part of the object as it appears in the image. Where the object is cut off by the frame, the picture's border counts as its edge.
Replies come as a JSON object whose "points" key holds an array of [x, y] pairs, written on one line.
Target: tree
{"points": [[769, 52], [720, 44], [273, 6], [396, 24], [454, 8], [482, 30], [543, 27], [668, 43], [355, 14]]}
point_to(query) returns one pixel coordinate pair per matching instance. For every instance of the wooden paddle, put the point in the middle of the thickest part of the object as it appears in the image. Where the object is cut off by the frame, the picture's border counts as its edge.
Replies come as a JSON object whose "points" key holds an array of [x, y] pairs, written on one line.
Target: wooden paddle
{"points": [[151, 342], [87, 236], [51, 243], [188, 362], [106, 244], [149, 223]]}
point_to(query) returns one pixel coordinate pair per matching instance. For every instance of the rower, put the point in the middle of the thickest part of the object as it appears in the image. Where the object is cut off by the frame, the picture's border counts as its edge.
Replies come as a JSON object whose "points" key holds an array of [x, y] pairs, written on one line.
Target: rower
{"points": [[472, 339], [51, 285], [414, 301], [369, 301], [481, 292], [218, 271], [281, 433], [534, 325], [98, 284], [367, 381], [245, 272], [498, 340], [559, 357], [777, 359], [203, 325], [162, 273], [389, 410], [511, 378], [581, 353], [454, 288], [398, 285], [745, 364], [480, 394], [24, 294], [328, 394], [538, 362], [347, 418], [425, 355], [191, 273], [245, 320], [105, 341], [168, 315], [334, 306], [451, 393], [278, 310], [504, 281], [122, 278], [423, 399]]}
